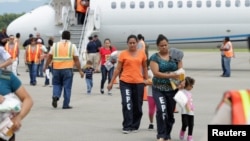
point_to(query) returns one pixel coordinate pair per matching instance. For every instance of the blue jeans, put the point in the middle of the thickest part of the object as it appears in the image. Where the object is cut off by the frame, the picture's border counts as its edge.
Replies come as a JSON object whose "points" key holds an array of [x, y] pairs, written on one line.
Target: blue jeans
{"points": [[32, 73], [62, 80], [226, 68], [40, 69], [89, 83], [105, 74]]}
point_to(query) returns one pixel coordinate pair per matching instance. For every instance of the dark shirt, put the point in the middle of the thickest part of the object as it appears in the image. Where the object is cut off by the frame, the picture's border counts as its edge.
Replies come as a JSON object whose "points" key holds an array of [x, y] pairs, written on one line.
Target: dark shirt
{"points": [[26, 43], [3, 36], [92, 47], [89, 72], [98, 44]]}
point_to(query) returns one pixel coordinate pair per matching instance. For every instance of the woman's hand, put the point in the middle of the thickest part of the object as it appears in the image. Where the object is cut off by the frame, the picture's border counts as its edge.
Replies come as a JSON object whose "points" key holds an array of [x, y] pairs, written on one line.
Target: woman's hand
{"points": [[148, 82], [16, 123], [109, 87], [2, 98]]}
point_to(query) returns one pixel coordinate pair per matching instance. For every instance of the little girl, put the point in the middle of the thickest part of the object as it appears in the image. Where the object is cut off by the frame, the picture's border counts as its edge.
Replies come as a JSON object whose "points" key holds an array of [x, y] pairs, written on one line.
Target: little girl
{"points": [[151, 102], [187, 112]]}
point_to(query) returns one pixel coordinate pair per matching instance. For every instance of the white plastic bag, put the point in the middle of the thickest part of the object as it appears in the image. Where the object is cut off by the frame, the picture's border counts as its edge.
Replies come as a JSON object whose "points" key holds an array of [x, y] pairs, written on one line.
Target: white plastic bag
{"points": [[11, 103], [108, 65], [181, 98]]}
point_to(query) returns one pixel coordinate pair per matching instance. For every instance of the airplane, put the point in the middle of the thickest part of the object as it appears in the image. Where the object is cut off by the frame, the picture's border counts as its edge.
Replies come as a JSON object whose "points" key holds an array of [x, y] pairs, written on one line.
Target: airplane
{"points": [[186, 23]]}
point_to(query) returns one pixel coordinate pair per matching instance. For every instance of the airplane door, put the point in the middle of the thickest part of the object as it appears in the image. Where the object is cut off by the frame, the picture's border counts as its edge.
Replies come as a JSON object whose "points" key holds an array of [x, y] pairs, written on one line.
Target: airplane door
{"points": [[97, 19]]}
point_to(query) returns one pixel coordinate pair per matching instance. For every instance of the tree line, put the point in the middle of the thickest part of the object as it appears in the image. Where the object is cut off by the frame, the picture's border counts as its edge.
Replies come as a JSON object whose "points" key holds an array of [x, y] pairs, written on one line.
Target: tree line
{"points": [[6, 19]]}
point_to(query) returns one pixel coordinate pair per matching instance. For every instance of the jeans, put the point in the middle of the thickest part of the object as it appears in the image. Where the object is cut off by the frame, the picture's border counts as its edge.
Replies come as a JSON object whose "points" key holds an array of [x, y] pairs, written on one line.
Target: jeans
{"points": [[226, 68], [80, 18], [89, 83], [32, 73], [165, 112], [106, 73], [40, 69], [62, 80]]}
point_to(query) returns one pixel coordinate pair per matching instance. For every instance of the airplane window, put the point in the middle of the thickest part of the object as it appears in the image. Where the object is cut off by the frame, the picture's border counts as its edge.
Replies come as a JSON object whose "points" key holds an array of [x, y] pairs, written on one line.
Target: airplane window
{"points": [[179, 3], [113, 5], [142, 4], [132, 4], [199, 4], [209, 4], [228, 3], [160, 4], [189, 4], [237, 3], [247, 3], [170, 4], [151, 4], [123, 5], [218, 3]]}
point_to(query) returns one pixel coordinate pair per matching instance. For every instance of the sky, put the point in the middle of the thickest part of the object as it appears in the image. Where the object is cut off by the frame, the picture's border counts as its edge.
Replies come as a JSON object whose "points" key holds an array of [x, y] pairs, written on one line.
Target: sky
{"points": [[19, 6]]}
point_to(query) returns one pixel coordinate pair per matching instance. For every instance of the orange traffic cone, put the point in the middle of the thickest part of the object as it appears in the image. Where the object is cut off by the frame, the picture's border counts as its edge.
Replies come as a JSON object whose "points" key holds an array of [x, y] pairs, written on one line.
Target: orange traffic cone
{"points": [[145, 95]]}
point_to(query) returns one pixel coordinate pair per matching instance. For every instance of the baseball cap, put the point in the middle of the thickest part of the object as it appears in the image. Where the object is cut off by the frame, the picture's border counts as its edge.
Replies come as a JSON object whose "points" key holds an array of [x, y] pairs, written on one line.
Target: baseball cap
{"points": [[31, 35]]}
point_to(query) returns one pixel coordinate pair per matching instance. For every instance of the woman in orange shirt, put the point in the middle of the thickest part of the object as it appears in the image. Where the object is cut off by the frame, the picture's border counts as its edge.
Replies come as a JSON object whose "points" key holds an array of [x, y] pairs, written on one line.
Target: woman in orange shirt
{"points": [[133, 74]]}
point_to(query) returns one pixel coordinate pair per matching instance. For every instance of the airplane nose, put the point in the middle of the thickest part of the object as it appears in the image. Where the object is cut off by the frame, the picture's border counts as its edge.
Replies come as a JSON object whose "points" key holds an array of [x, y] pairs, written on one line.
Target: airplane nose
{"points": [[41, 19]]}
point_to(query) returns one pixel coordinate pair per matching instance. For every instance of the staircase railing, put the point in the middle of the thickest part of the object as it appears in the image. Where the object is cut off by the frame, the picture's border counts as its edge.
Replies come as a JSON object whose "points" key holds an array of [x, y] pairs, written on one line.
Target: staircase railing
{"points": [[87, 30], [66, 20], [83, 30]]}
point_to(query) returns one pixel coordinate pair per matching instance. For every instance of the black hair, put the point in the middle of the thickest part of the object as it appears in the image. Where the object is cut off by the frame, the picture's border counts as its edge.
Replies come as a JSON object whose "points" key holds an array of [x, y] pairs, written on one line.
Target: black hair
{"points": [[139, 36], [227, 39], [107, 39], [132, 36], [50, 42], [90, 38], [189, 81], [66, 35], [160, 38], [18, 35]]}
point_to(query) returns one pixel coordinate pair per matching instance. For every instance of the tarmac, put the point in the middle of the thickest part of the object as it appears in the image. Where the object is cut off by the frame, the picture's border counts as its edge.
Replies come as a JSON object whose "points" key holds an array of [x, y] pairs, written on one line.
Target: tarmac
{"points": [[98, 117]]}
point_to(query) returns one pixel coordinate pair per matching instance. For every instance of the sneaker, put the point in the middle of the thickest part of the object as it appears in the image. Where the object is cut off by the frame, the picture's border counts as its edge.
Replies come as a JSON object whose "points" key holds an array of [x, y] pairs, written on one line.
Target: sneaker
{"points": [[126, 131], [151, 126], [190, 138], [102, 91], [109, 93], [182, 133]]}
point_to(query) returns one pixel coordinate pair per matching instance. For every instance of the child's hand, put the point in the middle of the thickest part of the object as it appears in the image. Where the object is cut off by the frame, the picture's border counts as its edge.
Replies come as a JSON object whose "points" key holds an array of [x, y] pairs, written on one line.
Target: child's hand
{"points": [[148, 82]]}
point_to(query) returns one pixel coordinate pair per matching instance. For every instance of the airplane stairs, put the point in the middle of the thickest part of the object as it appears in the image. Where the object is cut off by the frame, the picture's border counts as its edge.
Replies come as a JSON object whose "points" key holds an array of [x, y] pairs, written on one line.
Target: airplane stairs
{"points": [[80, 34]]}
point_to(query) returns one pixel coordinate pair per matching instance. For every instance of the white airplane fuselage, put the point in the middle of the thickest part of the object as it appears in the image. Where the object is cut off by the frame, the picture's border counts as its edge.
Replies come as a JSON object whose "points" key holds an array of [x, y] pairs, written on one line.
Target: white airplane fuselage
{"points": [[187, 26]]}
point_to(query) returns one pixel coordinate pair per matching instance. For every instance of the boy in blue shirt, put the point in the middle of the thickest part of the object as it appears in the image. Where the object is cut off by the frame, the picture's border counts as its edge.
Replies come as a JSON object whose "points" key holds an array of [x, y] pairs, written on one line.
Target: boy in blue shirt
{"points": [[88, 72]]}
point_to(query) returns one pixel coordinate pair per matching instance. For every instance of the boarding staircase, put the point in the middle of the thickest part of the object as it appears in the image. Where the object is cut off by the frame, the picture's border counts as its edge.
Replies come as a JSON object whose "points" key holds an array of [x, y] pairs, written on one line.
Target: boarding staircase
{"points": [[80, 33]]}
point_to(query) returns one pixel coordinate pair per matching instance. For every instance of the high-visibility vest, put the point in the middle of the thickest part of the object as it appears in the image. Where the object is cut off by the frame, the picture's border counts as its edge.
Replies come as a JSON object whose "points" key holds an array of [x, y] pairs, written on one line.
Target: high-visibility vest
{"points": [[240, 105], [33, 56], [63, 55], [229, 53], [12, 51]]}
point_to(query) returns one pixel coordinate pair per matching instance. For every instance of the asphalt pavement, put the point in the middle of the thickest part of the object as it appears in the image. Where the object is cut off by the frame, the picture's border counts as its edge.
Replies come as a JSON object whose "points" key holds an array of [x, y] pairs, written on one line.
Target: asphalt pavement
{"points": [[98, 117]]}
